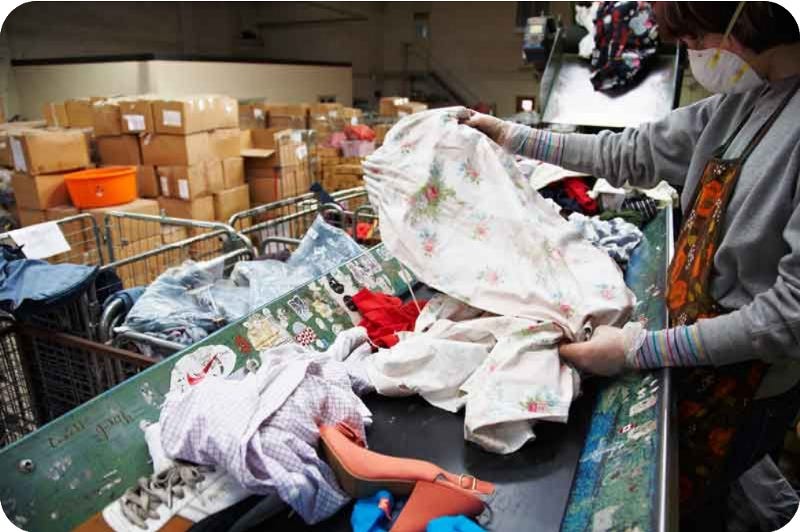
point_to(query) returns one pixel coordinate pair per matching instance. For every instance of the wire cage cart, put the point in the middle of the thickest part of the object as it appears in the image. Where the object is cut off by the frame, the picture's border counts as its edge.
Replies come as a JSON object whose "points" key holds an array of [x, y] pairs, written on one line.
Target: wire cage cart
{"points": [[168, 242], [275, 228], [74, 355], [18, 414], [83, 235], [279, 226], [61, 358]]}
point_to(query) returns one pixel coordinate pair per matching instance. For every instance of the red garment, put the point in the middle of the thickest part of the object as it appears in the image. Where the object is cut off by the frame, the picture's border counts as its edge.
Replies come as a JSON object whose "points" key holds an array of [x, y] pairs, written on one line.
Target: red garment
{"points": [[359, 132], [364, 230], [383, 316], [577, 189]]}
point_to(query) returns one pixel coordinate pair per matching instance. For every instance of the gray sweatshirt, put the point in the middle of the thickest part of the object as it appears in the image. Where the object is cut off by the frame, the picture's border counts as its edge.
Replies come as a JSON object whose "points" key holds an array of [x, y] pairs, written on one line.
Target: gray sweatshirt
{"points": [[757, 265]]}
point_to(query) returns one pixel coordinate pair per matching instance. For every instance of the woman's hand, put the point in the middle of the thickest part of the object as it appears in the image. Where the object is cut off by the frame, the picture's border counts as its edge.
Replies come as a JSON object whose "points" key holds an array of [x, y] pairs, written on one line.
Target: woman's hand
{"points": [[494, 128], [603, 354]]}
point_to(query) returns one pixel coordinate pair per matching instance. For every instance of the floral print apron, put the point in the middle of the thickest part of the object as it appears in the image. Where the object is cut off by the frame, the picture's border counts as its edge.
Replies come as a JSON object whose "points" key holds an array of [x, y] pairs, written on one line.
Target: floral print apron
{"points": [[711, 401]]}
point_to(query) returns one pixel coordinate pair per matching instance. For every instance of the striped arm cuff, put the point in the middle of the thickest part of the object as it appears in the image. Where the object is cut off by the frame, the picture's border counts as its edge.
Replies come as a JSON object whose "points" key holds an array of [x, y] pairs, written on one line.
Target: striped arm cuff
{"points": [[679, 346], [536, 144]]}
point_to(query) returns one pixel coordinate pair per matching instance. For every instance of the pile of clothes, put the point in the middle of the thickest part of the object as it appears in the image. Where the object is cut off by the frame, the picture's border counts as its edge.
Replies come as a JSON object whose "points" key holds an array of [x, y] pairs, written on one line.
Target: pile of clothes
{"points": [[514, 280], [625, 42], [610, 218], [187, 303]]}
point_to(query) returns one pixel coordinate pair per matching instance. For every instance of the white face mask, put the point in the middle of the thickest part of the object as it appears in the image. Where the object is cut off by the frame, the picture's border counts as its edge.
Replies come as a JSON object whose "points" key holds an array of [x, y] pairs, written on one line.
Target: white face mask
{"points": [[722, 71]]}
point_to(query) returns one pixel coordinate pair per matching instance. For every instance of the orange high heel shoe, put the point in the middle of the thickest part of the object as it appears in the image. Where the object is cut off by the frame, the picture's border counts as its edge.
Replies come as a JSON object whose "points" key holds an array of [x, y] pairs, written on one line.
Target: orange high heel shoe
{"points": [[432, 492]]}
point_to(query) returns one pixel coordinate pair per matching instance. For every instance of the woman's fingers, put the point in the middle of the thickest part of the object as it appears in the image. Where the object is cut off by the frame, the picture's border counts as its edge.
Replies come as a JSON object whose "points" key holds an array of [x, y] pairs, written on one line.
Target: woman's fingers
{"points": [[572, 351]]}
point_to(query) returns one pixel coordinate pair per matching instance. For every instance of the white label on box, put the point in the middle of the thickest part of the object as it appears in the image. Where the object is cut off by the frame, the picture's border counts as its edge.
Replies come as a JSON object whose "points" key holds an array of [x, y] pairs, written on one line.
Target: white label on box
{"points": [[164, 185], [402, 113], [134, 122], [333, 113], [301, 152], [353, 121], [183, 188], [258, 113], [18, 155], [41, 240], [171, 118], [297, 136]]}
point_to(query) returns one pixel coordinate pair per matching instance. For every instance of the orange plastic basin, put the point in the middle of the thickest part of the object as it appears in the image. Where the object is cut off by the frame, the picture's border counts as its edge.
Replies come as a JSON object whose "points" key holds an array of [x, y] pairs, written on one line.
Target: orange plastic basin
{"points": [[102, 187]]}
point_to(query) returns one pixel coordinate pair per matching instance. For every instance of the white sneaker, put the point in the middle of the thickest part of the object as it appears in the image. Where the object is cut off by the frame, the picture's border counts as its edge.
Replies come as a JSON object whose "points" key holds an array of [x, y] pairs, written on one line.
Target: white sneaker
{"points": [[175, 499]]}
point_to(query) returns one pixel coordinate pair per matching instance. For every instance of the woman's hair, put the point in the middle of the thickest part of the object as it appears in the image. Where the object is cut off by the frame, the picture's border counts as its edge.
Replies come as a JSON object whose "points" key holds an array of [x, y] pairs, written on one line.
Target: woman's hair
{"points": [[760, 26]]}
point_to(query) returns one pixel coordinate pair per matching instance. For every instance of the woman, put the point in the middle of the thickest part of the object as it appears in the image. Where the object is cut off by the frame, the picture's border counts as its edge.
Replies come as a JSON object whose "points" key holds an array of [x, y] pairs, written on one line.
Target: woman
{"points": [[734, 282]]}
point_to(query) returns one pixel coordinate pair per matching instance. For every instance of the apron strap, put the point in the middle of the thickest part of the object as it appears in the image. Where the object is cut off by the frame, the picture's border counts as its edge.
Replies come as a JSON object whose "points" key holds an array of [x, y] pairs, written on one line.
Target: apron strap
{"points": [[720, 151]]}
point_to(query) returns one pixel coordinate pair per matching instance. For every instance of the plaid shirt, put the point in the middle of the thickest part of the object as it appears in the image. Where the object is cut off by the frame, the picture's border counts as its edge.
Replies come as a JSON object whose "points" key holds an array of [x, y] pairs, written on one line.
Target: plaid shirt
{"points": [[262, 427]]}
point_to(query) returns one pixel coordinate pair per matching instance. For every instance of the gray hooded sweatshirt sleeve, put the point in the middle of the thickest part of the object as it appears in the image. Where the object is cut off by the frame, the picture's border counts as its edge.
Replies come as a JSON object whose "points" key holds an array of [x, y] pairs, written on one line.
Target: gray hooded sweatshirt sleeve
{"points": [[756, 272]]}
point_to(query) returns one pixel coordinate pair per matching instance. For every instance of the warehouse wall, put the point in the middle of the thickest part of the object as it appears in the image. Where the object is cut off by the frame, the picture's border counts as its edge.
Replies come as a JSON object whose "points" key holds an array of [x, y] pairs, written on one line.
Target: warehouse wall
{"points": [[356, 42], [252, 80], [39, 84], [474, 42]]}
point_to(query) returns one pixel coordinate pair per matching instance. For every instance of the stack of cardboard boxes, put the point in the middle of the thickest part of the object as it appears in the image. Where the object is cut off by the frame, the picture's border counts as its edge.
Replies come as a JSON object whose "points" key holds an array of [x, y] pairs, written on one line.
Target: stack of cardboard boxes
{"points": [[397, 106], [194, 147], [276, 164], [41, 158]]}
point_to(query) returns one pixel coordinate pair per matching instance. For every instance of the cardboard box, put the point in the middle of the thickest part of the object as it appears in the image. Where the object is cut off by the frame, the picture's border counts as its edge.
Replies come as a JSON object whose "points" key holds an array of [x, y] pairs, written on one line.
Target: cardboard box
{"points": [[410, 108], [79, 112], [246, 139], [30, 216], [387, 106], [173, 233], [6, 157], [39, 192], [55, 114], [252, 116], [59, 212], [328, 109], [192, 114], [288, 146], [381, 130], [48, 151], [128, 249], [264, 190], [183, 182], [229, 202], [283, 183], [128, 229], [136, 116], [174, 150], [214, 176], [232, 172], [106, 118], [224, 143], [349, 113], [226, 113], [196, 209], [287, 116], [147, 181], [141, 271], [119, 150]]}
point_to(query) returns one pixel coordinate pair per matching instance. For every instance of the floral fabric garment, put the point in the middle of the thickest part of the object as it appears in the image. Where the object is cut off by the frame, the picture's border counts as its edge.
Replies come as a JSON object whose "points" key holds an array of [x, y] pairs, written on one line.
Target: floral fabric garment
{"points": [[504, 371], [456, 211]]}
